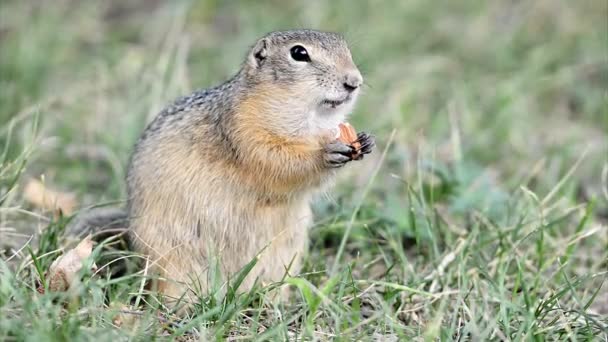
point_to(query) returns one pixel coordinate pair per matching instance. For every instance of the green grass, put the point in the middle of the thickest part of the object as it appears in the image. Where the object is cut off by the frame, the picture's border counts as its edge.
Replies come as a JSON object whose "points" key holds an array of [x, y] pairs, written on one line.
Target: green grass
{"points": [[486, 218]]}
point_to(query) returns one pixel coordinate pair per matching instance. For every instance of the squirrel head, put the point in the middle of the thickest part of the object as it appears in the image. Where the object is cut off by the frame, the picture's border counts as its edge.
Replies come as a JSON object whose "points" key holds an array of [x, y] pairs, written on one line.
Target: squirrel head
{"points": [[305, 79]]}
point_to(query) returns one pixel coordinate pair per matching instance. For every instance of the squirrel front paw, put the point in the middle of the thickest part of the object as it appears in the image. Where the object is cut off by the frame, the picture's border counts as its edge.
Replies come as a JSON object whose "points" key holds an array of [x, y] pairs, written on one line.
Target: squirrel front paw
{"points": [[337, 154]]}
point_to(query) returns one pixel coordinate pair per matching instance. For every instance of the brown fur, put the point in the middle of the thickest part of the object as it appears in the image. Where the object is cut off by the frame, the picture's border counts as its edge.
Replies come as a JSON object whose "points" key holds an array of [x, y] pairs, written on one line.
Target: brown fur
{"points": [[227, 174], [263, 203]]}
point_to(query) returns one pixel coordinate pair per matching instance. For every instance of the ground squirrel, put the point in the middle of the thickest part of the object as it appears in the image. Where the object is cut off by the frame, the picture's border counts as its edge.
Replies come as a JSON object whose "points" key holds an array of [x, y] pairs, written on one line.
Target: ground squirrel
{"points": [[229, 172]]}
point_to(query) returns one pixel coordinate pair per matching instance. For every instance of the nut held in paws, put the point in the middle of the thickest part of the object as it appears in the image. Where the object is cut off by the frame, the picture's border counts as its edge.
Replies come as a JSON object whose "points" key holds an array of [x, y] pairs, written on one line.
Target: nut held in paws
{"points": [[348, 135]]}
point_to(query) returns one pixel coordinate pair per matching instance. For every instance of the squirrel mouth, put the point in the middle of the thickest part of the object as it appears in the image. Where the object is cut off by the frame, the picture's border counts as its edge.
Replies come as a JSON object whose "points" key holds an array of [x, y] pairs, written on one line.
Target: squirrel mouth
{"points": [[335, 103]]}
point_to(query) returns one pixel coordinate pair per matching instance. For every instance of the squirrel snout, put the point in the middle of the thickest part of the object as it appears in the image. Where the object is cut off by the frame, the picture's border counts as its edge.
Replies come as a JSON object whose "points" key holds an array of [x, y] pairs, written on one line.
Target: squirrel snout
{"points": [[352, 80]]}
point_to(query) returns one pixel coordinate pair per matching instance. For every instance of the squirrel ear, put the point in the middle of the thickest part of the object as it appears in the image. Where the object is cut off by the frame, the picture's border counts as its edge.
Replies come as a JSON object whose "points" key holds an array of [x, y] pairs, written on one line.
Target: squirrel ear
{"points": [[259, 53]]}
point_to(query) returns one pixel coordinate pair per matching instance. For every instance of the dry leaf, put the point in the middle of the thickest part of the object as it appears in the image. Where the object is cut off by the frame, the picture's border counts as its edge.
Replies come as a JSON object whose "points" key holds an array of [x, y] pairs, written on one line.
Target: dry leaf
{"points": [[348, 135], [63, 272], [40, 196]]}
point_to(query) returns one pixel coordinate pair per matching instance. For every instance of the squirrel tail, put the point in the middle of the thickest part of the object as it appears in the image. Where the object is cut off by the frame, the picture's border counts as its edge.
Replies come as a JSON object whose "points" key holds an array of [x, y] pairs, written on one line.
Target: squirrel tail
{"points": [[101, 223]]}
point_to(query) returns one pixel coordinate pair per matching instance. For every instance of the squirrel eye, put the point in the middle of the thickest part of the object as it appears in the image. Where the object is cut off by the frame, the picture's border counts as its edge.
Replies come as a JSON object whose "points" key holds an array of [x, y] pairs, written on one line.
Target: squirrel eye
{"points": [[299, 54]]}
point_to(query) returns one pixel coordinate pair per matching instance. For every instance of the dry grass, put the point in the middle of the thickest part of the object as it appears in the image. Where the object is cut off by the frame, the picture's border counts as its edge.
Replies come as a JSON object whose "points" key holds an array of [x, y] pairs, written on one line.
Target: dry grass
{"points": [[486, 220]]}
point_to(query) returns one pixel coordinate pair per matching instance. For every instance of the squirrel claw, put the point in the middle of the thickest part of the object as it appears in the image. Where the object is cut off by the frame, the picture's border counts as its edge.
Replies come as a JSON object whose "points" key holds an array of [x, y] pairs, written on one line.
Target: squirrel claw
{"points": [[367, 141]]}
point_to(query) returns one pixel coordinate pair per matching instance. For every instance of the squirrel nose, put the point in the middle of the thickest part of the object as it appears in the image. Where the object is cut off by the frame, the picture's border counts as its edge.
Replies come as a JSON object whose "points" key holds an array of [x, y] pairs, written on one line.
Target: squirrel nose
{"points": [[352, 81]]}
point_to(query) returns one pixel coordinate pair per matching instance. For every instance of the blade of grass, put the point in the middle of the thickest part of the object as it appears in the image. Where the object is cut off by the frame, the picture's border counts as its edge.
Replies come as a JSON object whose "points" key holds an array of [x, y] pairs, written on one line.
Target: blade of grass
{"points": [[366, 190]]}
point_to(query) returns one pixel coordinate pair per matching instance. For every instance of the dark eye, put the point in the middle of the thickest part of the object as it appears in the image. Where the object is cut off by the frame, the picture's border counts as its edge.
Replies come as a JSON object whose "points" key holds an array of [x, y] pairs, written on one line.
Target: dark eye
{"points": [[299, 54]]}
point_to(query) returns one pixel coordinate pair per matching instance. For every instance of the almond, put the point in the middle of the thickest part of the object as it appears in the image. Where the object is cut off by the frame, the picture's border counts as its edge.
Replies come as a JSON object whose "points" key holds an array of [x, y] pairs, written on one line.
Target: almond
{"points": [[348, 135]]}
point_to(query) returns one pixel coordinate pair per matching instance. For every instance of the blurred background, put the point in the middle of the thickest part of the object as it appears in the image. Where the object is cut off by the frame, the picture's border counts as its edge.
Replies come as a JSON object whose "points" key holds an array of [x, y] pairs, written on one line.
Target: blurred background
{"points": [[491, 103], [517, 88]]}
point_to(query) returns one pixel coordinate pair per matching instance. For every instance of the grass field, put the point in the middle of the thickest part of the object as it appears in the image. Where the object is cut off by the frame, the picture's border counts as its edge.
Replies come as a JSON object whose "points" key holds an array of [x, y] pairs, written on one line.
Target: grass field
{"points": [[482, 215]]}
